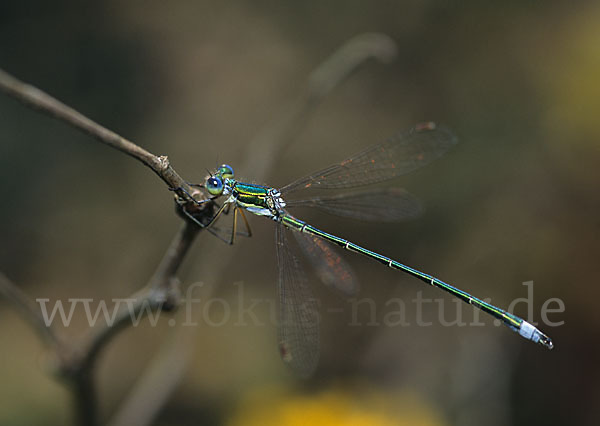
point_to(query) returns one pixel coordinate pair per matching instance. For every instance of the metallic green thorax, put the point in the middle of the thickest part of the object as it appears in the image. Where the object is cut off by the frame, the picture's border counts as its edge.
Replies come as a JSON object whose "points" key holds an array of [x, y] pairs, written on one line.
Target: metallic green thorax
{"points": [[257, 199]]}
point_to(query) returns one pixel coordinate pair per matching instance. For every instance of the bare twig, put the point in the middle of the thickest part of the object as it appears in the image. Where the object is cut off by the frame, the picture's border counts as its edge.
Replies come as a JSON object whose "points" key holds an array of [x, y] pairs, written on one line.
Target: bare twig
{"points": [[161, 292], [81, 382], [347, 59], [172, 259], [273, 138], [28, 310], [84, 396], [154, 387], [277, 135], [39, 100]]}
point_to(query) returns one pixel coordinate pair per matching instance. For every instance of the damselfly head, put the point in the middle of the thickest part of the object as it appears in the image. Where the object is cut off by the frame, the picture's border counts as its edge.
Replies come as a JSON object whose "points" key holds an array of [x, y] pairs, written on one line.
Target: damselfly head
{"points": [[225, 171], [214, 185]]}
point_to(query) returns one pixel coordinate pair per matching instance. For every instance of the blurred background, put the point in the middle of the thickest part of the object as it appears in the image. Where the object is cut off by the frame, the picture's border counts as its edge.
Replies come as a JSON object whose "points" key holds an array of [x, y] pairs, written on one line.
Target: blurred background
{"points": [[516, 201]]}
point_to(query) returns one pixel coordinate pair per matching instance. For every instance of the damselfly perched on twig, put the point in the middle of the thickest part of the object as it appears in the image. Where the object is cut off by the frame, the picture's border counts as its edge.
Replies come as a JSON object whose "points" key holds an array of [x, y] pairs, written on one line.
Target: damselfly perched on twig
{"points": [[299, 328]]}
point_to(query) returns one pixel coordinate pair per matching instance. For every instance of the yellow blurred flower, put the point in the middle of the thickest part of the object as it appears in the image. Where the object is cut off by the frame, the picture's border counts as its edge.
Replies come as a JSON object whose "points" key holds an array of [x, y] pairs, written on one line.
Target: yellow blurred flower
{"points": [[336, 407]]}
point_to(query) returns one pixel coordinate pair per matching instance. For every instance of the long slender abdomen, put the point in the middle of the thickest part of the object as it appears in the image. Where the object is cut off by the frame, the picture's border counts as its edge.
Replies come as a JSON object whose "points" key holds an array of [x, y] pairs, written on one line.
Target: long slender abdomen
{"points": [[517, 324]]}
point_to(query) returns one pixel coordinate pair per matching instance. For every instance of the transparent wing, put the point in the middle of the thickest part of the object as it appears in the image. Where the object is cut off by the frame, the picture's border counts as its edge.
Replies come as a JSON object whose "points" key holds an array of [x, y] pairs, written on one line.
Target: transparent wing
{"points": [[330, 267], [298, 312], [399, 155], [380, 205]]}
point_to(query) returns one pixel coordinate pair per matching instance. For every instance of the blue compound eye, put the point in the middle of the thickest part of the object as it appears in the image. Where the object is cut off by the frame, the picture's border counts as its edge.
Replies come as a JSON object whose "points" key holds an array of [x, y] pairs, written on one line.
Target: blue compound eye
{"points": [[225, 171], [214, 185]]}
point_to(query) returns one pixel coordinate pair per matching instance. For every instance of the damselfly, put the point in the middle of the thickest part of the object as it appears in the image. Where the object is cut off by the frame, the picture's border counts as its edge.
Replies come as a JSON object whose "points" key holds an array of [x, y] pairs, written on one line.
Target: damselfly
{"points": [[298, 310]]}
